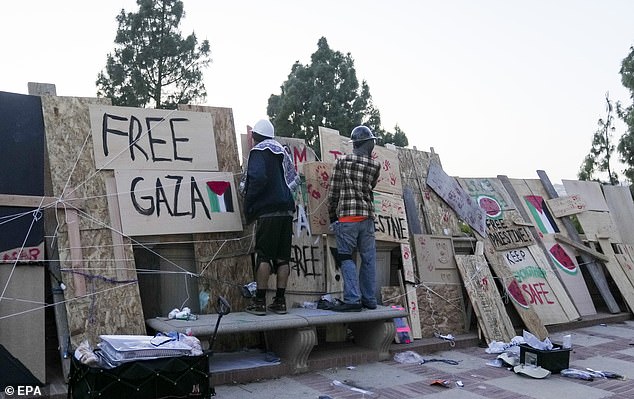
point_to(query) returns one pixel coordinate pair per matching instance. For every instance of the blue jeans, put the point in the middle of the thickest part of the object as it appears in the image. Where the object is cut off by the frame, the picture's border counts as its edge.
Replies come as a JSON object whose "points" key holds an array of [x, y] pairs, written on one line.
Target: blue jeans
{"points": [[357, 236]]}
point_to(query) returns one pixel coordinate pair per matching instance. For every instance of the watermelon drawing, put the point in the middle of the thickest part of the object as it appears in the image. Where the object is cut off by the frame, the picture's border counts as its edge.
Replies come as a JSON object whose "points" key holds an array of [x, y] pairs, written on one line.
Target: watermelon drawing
{"points": [[515, 292], [490, 205], [563, 260]]}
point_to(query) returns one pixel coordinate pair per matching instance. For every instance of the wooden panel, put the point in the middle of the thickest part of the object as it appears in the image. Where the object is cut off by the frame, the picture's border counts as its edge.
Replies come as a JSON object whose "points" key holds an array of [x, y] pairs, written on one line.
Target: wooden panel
{"points": [[440, 298], [458, 199], [590, 191], [112, 306], [505, 234], [621, 206], [485, 298], [317, 182], [156, 202], [299, 151], [332, 144], [410, 291], [390, 220], [566, 206], [564, 261], [619, 275], [481, 189], [390, 176], [597, 225], [163, 139], [521, 304], [433, 214]]}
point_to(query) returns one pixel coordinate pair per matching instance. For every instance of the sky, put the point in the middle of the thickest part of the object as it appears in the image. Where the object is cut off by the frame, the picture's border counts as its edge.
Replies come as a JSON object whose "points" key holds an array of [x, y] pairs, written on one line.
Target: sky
{"points": [[494, 87]]}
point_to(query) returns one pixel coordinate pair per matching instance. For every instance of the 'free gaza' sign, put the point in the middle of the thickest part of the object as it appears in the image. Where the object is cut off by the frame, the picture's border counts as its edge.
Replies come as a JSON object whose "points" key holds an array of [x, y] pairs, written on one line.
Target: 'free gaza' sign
{"points": [[166, 170]]}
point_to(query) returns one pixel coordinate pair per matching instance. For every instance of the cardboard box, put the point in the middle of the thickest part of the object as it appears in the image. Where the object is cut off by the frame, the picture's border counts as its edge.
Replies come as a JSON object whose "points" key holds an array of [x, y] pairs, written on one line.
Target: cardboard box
{"points": [[553, 360]]}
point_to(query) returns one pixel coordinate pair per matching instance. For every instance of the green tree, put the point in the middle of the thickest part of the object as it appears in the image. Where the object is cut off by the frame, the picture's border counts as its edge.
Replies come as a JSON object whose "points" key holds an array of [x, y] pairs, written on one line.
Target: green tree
{"points": [[326, 93], [152, 64], [626, 143], [598, 160]]}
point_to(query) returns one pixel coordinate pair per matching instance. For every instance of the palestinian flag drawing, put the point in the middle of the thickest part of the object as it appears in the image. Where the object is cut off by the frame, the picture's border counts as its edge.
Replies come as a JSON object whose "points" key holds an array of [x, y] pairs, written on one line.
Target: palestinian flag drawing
{"points": [[220, 196], [544, 220]]}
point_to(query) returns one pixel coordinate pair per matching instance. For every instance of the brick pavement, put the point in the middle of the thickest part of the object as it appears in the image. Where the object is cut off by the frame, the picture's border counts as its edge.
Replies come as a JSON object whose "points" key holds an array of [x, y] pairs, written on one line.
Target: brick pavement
{"points": [[601, 347]]}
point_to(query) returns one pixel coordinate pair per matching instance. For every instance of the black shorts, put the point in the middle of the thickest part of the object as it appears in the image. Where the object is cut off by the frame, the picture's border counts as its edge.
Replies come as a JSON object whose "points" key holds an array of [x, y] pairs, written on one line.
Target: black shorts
{"points": [[273, 235]]}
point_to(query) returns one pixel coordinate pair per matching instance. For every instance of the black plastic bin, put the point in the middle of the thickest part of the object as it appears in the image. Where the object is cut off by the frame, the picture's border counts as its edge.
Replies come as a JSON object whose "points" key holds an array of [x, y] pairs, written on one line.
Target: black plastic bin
{"points": [[553, 360], [171, 377]]}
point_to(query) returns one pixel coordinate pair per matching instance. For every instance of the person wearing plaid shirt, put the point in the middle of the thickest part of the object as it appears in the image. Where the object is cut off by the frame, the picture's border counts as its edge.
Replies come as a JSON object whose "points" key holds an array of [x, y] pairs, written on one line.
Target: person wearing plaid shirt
{"points": [[351, 212]]}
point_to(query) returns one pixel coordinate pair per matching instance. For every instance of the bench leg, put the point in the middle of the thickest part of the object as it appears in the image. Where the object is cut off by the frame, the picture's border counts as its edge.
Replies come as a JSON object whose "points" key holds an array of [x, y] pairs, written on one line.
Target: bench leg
{"points": [[293, 345], [376, 335]]}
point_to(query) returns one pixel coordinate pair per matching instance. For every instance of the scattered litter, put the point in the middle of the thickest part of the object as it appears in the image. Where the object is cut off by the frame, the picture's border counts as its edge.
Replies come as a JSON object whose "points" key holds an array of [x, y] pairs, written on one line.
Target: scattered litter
{"points": [[605, 374], [499, 347], [567, 341], [411, 357], [447, 337], [351, 367], [534, 342], [603, 325], [576, 373], [460, 383], [531, 371], [509, 358], [184, 314], [442, 383], [248, 290], [355, 389], [495, 363]]}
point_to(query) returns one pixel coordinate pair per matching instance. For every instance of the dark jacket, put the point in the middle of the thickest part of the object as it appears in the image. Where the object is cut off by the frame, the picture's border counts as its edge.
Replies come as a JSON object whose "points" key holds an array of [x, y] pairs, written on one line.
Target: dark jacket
{"points": [[266, 190]]}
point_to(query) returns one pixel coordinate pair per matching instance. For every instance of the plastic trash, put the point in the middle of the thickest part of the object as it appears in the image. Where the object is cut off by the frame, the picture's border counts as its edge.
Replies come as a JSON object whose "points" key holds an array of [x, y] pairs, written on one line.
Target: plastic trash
{"points": [[409, 357], [567, 341], [577, 374], [534, 342]]}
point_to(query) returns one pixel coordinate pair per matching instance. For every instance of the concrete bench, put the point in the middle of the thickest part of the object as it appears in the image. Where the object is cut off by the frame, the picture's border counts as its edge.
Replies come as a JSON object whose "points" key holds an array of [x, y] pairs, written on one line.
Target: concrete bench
{"points": [[292, 336]]}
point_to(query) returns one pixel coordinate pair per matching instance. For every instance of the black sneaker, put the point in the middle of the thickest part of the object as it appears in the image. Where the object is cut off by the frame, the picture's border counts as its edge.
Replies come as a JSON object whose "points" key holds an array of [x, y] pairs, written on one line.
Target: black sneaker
{"points": [[369, 306], [347, 307], [278, 306], [256, 307]]}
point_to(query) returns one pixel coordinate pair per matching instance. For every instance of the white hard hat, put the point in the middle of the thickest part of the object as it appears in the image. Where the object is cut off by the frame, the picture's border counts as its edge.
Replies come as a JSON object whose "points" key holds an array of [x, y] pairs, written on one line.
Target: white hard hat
{"points": [[264, 128]]}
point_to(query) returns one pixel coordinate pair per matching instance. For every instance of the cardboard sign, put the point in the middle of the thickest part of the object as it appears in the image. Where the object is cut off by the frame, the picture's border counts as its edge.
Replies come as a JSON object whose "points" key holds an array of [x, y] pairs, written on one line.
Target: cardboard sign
{"points": [[504, 234], [566, 206], [139, 138], [160, 202]]}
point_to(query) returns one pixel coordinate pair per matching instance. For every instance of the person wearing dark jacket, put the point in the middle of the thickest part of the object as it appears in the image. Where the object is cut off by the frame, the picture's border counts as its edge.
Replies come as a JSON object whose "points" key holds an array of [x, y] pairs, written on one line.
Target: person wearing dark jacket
{"points": [[268, 190]]}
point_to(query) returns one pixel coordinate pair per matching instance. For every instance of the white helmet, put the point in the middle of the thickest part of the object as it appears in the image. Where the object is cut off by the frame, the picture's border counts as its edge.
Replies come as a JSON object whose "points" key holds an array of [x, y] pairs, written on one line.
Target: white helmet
{"points": [[264, 128]]}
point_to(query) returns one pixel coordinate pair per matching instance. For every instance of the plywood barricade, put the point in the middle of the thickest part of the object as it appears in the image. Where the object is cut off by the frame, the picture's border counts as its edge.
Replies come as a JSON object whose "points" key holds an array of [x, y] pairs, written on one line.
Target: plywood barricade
{"points": [[600, 229], [535, 201], [111, 305], [440, 304], [441, 291], [493, 320]]}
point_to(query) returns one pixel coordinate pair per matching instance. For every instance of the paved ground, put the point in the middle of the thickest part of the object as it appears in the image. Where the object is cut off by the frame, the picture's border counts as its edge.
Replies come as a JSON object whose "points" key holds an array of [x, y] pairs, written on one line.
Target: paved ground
{"points": [[602, 347]]}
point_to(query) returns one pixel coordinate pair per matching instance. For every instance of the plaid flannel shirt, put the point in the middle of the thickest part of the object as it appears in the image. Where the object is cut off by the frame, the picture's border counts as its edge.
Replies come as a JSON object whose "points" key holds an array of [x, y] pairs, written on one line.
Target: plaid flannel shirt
{"points": [[351, 184]]}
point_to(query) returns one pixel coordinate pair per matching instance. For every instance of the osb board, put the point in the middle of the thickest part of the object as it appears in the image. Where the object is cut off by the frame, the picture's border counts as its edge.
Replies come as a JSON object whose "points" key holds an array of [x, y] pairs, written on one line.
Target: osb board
{"points": [[458, 199], [300, 153], [619, 199], [440, 293], [317, 182], [590, 191], [393, 296], [390, 221], [618, 273], [485, 298], [561, 254], [481, 189], [409, 280], [163, 139], [566, 206], [225, 257], [112, 308], [441, 308], [539, 284], [334, 146], [521, 304], [433, 214], [597, 225]]}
